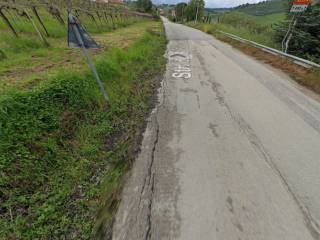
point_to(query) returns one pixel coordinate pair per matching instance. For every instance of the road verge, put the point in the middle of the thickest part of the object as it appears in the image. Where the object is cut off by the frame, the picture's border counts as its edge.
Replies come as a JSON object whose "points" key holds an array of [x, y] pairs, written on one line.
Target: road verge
{"points": [[64, 150]]}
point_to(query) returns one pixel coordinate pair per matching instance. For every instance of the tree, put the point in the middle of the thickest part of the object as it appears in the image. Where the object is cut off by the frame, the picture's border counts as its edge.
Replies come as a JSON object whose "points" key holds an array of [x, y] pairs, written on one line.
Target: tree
{"points": [[195, 10], [144, 5], [180, 11], [305, 40]]}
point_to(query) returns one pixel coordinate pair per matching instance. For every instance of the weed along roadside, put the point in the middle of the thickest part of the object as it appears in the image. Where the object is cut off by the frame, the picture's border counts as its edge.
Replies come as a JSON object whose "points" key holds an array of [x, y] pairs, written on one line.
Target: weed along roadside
{"points": [[64, 150]]}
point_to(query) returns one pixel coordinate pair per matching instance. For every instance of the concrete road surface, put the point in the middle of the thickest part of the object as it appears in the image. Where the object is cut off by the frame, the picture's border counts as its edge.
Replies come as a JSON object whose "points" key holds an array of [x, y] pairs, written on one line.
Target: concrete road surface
{"points": [[232, 152]]}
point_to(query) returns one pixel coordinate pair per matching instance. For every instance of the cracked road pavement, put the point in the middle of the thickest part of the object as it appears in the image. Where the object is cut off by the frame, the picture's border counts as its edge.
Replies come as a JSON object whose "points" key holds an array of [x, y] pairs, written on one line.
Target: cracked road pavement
{"points": [[232, 151]]}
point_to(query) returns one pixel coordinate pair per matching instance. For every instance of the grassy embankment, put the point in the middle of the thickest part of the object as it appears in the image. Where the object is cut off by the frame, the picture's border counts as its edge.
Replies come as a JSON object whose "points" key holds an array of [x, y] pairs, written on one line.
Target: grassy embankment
{"points": [[253, 21], [255, 28], [63, 149], [264, 8], [260, 29]]}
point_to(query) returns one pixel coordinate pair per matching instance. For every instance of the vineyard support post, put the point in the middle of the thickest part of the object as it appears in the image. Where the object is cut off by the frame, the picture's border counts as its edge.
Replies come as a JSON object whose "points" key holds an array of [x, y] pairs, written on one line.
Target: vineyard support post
{"points": [[35, 11], [36, 29], [14, 18], [120, 18], [106, 17], [56, 13], [112, 19], [7, 22]]}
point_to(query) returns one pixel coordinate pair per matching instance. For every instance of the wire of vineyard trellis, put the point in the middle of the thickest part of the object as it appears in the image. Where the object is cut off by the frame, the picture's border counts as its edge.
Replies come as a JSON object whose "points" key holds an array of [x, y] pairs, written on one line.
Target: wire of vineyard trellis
{"points": [[93, 16]]}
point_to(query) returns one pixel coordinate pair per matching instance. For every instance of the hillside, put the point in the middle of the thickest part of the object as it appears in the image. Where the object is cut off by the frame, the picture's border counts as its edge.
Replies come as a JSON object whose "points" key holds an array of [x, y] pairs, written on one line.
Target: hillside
{"points": [[263, 8], [217, 10], [256, 9]]}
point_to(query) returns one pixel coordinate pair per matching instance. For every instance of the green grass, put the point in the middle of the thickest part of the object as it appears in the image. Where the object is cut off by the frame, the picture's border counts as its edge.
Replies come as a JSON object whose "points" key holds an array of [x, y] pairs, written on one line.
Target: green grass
{"points": [[264, 8], [63, 150], [265, 37], [270, 19], [214, 29], [28, 62], [24, 27], [29, 40], [259, 29]]}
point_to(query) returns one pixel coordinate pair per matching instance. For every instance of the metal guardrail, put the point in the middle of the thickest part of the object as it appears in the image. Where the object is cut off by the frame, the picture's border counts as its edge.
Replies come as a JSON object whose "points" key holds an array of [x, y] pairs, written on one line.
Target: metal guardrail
{"points": [[300, 61]]}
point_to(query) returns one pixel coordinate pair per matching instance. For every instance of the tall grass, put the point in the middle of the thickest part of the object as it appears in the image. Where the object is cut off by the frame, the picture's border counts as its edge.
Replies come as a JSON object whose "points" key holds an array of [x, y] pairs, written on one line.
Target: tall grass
{"points": [[248, 27], [245, 26], [64, 150], [264, 8]]}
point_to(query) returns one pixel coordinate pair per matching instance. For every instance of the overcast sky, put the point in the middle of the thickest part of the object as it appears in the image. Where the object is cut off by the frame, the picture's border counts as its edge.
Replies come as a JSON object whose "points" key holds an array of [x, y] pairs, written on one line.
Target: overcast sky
{"points": [[214, 3]]}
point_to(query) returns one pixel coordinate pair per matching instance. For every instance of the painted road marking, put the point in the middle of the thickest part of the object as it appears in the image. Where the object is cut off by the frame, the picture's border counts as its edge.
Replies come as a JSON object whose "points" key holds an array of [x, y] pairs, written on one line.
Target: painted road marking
{"points": [[182, 66]]}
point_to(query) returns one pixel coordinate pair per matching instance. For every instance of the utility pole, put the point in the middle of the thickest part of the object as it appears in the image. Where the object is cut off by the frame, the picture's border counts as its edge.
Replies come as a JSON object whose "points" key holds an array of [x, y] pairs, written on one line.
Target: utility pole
{"points": [[290, 36], [197, 12], [285, 43], [182, 12]]}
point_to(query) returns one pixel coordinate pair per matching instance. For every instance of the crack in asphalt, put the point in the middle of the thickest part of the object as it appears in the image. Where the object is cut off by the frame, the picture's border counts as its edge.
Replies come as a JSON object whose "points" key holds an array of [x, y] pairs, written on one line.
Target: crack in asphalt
{"points": [[150, 172], [151, 183]]}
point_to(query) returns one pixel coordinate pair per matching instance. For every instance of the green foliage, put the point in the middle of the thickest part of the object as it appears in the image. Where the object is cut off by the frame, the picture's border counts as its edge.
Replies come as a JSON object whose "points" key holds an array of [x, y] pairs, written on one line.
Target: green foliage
{"points": [[238, 20], [195, 10], [144, 5], [271, 29], [263, 8], [180, 11], [249, 27], [255, 28], [17, 45], [305, 41], [270, 19], [63, 150]]}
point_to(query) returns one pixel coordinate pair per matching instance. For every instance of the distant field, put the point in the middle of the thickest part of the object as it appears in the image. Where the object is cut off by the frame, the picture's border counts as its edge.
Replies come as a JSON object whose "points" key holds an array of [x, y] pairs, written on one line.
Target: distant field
{"points": [[256, 28], [260, 9], [270, 18], [264, 8]]}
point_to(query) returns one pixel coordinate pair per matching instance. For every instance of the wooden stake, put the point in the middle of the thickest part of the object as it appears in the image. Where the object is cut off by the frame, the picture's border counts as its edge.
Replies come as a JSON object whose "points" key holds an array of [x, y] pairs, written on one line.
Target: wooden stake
{"points": [[34, 9], [36, 29], [7, 22]]}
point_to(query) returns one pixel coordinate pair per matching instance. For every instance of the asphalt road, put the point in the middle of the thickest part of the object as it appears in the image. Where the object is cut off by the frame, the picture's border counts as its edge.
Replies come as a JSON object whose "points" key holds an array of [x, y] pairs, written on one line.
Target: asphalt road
{"points": [[232, 151]]}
